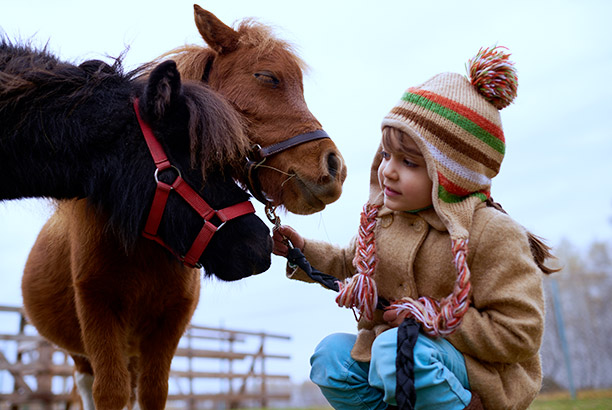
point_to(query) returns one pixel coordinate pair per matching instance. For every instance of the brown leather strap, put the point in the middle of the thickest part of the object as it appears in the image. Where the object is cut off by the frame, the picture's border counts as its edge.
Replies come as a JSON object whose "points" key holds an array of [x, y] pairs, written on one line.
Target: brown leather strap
{"points": [[290, 143], [258, 154]]}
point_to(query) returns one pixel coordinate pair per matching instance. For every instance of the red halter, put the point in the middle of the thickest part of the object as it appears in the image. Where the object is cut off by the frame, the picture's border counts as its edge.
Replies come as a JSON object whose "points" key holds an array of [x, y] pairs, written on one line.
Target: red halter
{"points": [[181, 187]]}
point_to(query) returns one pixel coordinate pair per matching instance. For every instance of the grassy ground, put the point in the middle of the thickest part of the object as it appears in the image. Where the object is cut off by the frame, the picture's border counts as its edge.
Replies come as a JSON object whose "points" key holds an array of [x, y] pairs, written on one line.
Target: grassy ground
{"points": [[585, 400]]}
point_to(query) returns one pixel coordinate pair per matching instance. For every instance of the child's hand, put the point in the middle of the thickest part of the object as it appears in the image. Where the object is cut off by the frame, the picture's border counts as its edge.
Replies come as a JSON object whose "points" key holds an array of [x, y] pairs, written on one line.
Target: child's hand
{"points": [[280, 237], [394, 319]]}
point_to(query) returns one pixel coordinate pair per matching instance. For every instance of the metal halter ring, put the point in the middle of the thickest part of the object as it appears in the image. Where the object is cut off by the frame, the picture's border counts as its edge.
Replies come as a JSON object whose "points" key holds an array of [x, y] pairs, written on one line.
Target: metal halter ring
{"points": [[178, 172]]}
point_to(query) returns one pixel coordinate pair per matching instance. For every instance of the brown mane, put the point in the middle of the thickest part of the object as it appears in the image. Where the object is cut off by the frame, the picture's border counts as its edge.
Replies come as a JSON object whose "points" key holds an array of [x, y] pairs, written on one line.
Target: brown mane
{"points": [[191, 59]]}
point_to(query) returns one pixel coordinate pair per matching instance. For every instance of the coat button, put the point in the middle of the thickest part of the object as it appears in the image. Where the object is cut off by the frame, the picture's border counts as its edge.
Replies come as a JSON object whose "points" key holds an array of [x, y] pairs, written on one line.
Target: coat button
{"points": [[419, 225]]}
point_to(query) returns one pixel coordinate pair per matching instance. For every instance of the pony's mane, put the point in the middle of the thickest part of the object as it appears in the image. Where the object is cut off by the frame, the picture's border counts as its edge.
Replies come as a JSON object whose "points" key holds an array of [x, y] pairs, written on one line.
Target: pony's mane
{"points": [[36, 75], [226, 143], [191, 59]]}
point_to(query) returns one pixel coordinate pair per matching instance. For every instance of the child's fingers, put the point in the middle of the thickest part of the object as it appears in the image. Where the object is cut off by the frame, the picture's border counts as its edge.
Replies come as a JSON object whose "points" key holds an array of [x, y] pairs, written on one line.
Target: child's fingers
{"points": [[280, 246], [291, 234], [393, 318]]}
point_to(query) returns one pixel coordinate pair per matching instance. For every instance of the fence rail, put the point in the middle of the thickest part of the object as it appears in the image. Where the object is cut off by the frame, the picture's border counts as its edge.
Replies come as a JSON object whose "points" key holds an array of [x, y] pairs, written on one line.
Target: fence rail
{"points": [[213, 368]]}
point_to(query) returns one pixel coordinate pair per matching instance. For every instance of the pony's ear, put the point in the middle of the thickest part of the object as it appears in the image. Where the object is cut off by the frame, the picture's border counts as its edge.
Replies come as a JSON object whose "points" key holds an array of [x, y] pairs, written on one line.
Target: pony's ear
{"points": [[162, 90], [220, 37]]}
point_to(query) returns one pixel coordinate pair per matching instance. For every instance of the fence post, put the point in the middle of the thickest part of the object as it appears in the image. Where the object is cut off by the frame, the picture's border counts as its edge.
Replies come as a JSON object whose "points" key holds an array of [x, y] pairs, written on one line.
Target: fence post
{"points": [[43, 379], [191, 400], [22, 325], [264, 402], [561, 329]]}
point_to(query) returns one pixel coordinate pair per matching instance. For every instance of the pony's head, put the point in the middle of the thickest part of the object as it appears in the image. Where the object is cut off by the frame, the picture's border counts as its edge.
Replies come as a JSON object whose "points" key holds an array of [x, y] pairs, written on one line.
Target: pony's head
{"points": [[262, 79], [203, 139]]}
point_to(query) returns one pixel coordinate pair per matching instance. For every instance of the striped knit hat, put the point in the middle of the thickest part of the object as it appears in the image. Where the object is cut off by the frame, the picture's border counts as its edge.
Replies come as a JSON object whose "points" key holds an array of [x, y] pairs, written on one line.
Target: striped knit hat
{"points": [[455, 122]]}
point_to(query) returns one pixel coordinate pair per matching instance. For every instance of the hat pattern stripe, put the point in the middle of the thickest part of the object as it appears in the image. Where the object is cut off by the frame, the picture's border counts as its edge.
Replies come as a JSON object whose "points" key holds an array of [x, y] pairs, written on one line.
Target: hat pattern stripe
{"points": [[451, 188], [461, 109], [454, 116], [449, 138], [456, 168], [449, 198]]}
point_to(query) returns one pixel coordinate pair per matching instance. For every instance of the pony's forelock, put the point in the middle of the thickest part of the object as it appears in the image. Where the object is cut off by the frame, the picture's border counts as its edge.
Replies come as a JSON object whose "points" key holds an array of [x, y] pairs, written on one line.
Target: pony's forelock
{"points": [[262, 38], [191, 59], [210, 117]]}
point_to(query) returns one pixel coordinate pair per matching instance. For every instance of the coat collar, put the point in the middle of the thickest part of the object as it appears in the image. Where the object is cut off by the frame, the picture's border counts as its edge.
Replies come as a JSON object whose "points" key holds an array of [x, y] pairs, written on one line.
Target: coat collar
{"points": [[429, 215]]}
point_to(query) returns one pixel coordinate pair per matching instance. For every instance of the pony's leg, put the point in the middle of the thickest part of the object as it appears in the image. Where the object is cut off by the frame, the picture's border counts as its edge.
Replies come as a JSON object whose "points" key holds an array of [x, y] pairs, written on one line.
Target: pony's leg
{"points": [[105, 347], [83, 378], [103, 338], [99, 286], [157, 350]]}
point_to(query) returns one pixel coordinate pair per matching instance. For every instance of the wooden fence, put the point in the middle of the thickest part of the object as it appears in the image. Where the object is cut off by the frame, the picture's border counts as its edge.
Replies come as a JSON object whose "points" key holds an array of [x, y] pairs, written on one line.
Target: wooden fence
{"points": [[213, 368]]}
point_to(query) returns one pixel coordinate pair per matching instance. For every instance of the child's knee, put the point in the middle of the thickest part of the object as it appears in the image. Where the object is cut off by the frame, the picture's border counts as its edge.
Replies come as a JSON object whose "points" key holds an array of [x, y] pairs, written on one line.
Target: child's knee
{"points": [[382, 372], [331, 359], [334, 347], [384, 343]]}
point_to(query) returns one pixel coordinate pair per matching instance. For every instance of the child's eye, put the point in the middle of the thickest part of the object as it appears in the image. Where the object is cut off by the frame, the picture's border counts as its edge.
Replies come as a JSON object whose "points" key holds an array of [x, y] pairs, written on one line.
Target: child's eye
{"points": [[385, 155], [409, 163]]}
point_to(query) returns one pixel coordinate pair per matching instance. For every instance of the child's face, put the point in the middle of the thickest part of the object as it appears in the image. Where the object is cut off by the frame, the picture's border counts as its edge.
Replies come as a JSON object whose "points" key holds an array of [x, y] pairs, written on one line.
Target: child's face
{"points": [[402, 176]]}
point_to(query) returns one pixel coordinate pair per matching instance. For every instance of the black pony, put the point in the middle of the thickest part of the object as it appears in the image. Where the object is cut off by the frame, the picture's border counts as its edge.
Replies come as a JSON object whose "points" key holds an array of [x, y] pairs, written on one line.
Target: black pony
{"points": [[70, 131]]}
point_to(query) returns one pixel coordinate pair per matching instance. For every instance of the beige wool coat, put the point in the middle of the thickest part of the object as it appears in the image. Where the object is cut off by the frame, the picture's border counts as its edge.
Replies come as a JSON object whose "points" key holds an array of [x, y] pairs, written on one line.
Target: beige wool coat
{"points": [[501, 333]]}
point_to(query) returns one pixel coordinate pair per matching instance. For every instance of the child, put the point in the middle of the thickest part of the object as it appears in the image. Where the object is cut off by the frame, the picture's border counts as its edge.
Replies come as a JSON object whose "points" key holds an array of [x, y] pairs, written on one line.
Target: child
{"points": [[481, 312]]}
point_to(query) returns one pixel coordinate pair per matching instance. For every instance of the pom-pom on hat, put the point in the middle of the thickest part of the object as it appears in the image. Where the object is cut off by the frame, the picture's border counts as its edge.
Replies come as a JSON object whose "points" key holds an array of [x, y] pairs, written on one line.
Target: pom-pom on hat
{"points": [[455, 122]]}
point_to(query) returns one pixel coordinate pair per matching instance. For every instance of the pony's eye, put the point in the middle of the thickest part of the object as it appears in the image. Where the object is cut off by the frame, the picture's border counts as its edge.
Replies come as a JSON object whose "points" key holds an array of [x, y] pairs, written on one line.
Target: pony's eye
{"points": [[267, 78]]}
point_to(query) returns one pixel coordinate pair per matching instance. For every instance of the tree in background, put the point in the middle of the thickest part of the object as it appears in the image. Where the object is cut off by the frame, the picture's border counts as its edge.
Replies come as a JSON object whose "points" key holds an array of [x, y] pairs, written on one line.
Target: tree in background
{"points": [[585, 292]]}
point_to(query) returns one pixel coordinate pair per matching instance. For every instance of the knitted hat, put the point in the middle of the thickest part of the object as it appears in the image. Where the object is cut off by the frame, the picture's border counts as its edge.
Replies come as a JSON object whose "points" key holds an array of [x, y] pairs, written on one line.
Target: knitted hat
{"points": [[456, 124]]}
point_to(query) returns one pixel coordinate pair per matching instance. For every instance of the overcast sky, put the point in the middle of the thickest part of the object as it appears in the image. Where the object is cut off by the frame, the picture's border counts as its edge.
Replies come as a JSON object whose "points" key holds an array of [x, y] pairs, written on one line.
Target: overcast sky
{"points": [[555, 178]]}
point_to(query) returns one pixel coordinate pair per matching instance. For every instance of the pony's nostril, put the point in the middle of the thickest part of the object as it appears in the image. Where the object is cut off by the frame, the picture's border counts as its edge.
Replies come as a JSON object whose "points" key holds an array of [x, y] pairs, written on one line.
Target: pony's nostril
{"points": [[333, 164]]}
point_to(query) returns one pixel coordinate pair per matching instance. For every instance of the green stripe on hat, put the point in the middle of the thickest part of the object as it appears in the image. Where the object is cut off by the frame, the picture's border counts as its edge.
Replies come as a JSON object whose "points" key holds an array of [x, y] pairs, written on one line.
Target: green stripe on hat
{"points": [[456, 118], [449, 198]]}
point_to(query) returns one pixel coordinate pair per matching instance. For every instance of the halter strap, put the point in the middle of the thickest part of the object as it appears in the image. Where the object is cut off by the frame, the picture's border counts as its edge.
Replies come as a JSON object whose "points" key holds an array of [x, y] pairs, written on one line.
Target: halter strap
{"points": [[259, 154], [189, 195], [270, 150]]}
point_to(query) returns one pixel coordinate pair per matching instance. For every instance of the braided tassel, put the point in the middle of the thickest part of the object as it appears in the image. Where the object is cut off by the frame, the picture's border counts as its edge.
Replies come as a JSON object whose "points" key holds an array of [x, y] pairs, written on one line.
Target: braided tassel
{"points": [[360, 290], [442, 318]]}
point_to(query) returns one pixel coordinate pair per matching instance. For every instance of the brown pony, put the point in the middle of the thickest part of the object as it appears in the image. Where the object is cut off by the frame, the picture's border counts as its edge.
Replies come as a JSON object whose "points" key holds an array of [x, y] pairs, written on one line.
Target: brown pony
{"points": [[136, 290], [261, 77]]}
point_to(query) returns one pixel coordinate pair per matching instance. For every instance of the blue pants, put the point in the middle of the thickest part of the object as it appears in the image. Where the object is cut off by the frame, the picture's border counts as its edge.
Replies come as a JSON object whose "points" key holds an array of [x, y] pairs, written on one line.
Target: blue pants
{"points": [[441, 380]]}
